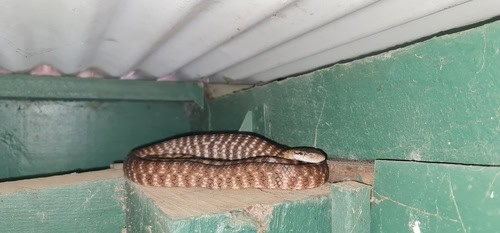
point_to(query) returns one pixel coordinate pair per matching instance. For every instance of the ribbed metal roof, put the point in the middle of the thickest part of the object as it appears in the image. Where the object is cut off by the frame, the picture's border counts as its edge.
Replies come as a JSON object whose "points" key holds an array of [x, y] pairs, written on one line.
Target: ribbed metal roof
{"points": [[237, 41]]}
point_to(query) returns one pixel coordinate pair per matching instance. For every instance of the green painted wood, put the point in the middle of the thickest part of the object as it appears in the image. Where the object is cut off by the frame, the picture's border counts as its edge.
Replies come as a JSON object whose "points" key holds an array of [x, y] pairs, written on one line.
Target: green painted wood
{"points": [[247, 124], [428, 197], [70, 88], [351, 207], [92, 207], [142, 215], [254, 121], [223, 223], [310, 215], [259, 121], [433, 101], [45, 137]]}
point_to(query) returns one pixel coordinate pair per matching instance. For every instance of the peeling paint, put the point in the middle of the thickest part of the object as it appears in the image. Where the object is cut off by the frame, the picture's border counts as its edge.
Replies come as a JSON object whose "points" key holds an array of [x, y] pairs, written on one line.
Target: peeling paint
{"points": [[262, 214], [415, 226]]}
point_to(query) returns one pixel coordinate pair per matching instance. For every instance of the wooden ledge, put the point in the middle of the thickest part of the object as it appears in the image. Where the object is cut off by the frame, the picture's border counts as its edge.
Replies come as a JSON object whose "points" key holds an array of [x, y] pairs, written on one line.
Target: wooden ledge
{"points": [[85, 202], [141, 209], [180, 203], [61, 180]]}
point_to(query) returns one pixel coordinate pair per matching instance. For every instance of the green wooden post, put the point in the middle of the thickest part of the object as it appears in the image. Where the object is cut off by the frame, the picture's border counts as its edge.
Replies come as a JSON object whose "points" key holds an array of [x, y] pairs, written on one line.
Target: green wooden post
{"points": [[350, 207]]}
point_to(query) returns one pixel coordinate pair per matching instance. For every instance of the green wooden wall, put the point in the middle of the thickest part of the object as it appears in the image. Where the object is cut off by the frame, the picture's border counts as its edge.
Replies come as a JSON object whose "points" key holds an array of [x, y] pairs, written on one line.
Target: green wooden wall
{"points": [[43, 137], [438, 100], [69, 124]]}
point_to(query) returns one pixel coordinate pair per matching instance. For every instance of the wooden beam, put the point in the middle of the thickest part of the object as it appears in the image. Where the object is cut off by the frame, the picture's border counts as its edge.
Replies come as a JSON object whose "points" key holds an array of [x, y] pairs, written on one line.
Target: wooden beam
{"points": [[71, 88], [350, 170]]}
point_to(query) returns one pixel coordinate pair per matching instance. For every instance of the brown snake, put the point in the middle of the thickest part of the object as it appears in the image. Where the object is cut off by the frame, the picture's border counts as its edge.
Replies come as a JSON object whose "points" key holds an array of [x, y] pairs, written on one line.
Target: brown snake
{"points": [[226, 160]]}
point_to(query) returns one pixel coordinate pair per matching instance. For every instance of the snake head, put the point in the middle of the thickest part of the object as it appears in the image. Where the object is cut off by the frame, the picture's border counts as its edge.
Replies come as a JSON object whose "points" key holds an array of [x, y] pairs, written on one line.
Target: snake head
{"points": [[308, 155]]}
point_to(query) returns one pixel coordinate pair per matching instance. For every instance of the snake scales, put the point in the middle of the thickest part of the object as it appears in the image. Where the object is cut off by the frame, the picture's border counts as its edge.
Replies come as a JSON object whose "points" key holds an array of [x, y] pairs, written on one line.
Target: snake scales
{"points": [[226, 160]]}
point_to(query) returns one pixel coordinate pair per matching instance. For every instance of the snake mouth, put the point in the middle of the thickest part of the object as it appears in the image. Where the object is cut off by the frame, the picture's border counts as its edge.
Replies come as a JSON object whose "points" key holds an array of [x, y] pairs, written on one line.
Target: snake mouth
{"points": [[310, 158], [308, 155]]}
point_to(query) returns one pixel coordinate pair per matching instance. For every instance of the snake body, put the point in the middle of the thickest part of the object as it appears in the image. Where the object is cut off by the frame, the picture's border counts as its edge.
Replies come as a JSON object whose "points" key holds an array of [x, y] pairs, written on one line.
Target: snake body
{"points": [[226, 160]]}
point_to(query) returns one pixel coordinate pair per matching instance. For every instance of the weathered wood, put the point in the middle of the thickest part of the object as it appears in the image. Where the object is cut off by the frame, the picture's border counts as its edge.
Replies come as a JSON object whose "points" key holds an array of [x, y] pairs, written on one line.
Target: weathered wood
{"points": [[87, 202], [351, 207], [255, 209], [432, 197], [215, 90], [433, 101], [70, 88], [157, 209], [345, 170]]}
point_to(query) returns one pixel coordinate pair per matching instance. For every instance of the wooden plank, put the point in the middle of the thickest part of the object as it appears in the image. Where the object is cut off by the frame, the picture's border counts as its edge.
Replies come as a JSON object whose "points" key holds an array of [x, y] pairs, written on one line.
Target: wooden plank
{"points": [[38, 184], [144, 215], [309, 215], [351, 207], [215, 90], [430, 197], [344, 170], [87, 202], [156, 209], [71, 88], [249, 210], [179, 203], [39, 138]]}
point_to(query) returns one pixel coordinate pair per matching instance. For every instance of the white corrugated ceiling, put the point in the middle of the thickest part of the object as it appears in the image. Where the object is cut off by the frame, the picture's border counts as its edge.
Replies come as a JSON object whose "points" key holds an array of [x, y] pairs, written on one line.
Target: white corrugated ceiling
{"points": [[239, 41]]}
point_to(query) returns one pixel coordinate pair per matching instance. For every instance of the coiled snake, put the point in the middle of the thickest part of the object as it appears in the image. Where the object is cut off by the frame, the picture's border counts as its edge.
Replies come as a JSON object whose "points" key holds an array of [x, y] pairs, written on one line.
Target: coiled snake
{"points": [[226, 160]]}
